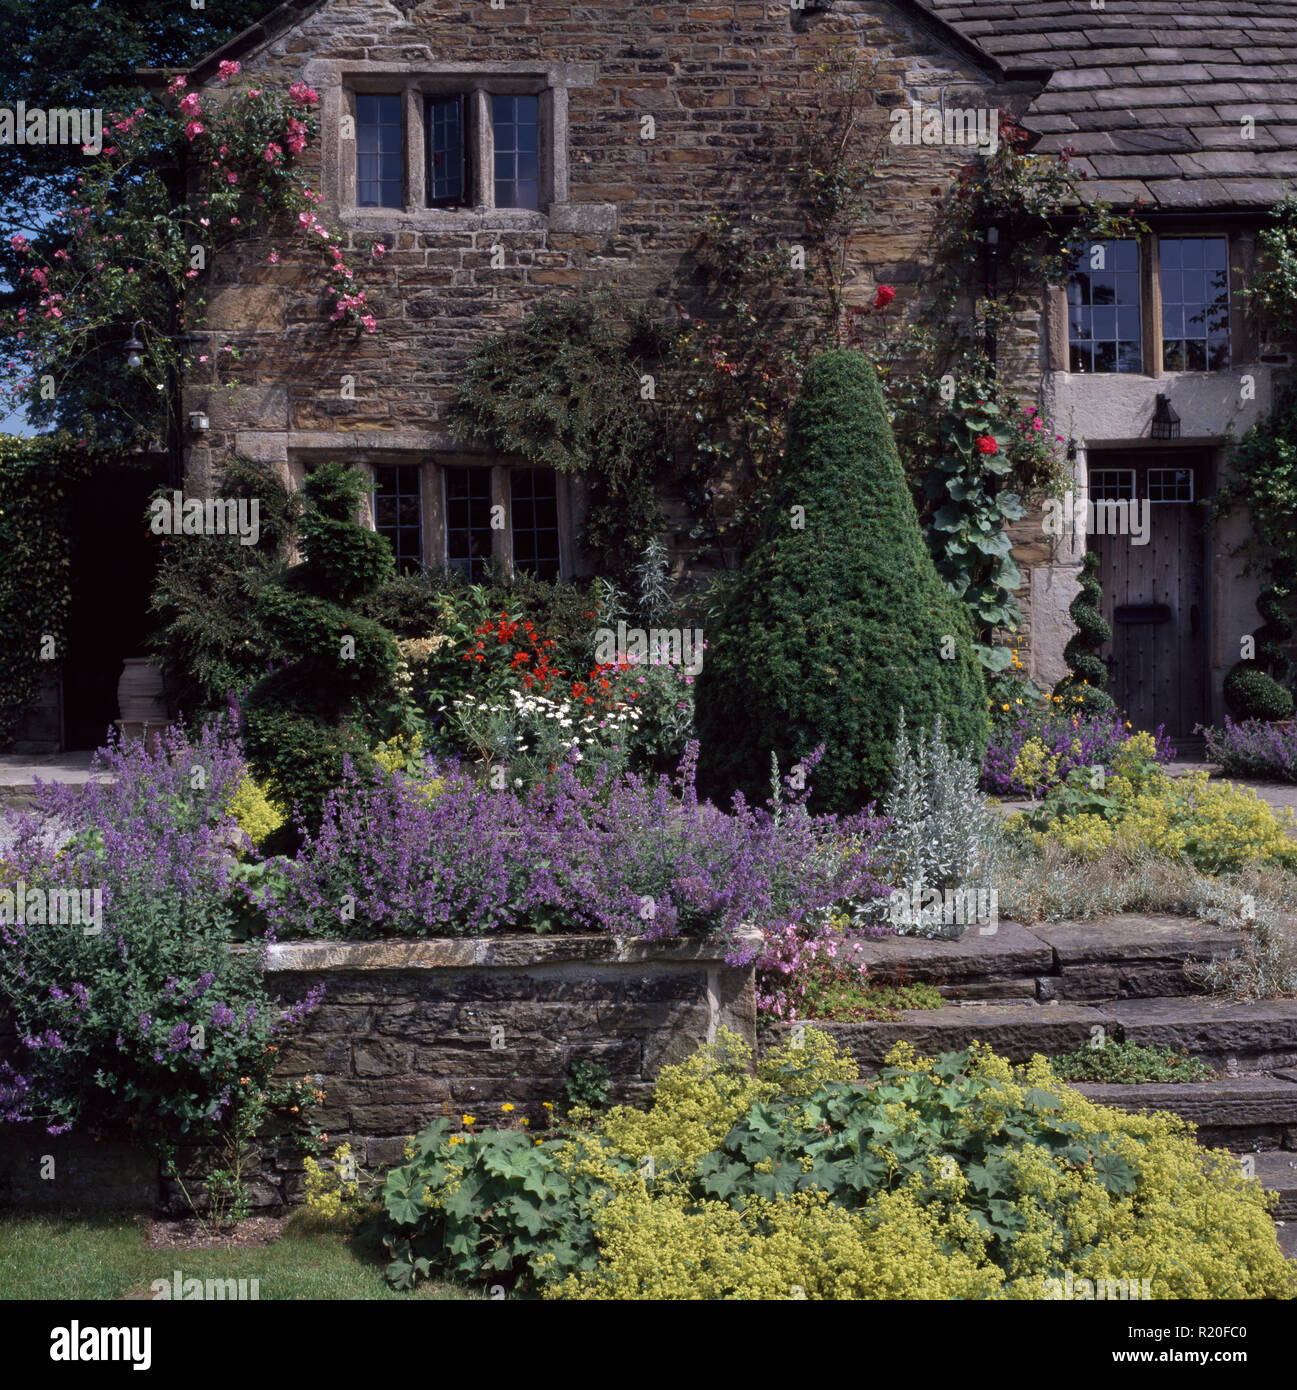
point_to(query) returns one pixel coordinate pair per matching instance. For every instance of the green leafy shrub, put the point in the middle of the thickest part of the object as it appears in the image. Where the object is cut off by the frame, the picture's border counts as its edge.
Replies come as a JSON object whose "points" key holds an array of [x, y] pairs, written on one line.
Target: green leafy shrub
{"points": [[1089, 675], [587, 1085], [972, 500], [955, 1177], [563, 391], [210, 642], [1255, 689], [1251, 693], [304, 718], [836, 625], [1130, 1063]]}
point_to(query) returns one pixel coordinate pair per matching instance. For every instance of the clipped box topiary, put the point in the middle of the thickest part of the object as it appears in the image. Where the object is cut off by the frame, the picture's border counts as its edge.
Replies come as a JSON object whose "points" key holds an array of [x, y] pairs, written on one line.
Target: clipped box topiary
{"points": [[838, 619]]}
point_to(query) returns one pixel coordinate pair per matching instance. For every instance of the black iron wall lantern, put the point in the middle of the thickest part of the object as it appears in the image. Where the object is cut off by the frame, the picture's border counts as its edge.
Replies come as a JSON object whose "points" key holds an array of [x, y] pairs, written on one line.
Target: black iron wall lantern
{"points": [[134, 347], [1166, 423]]}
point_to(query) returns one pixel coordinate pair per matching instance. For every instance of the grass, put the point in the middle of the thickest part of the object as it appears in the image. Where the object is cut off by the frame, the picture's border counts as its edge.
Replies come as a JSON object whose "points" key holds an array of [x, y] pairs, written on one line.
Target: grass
{"points": [[103, 1256]]}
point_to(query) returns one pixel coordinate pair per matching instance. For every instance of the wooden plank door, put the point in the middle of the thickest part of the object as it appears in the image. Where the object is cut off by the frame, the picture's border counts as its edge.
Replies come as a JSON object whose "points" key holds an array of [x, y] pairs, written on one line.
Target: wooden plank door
{"points": [[1154, 594]]}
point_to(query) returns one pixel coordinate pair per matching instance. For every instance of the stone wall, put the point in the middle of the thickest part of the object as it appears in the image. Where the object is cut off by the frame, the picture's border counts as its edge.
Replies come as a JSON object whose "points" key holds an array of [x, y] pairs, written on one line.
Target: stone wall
{"points": [[412, 1030]]}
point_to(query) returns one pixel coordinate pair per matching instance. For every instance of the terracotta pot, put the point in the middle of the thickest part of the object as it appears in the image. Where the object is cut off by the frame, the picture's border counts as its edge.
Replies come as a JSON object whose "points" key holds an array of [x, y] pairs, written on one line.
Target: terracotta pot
{"points": [[139, 693]]}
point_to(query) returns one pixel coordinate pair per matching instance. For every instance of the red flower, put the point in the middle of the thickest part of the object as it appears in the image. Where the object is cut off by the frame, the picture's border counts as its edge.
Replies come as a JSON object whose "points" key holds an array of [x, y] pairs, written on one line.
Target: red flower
{"points": [[884, 296], [987, 445]]}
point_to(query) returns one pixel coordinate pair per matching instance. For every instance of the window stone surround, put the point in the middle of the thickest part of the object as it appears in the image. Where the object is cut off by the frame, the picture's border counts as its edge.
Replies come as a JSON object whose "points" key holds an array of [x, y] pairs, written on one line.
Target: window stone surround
{"points": [[339, 80]]}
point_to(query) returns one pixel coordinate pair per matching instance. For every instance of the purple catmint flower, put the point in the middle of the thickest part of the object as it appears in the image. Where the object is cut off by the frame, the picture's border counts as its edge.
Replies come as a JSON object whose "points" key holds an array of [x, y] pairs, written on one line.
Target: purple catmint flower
{"points": [[178, 1038], [221, 1016]]}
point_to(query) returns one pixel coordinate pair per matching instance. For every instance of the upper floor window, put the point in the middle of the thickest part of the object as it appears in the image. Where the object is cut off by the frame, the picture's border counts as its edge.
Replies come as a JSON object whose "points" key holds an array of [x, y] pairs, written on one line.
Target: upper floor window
{"points": [[1103, 309], [445, 139], [428, 145], [516, 131], [380, 157], [1195, 304]]}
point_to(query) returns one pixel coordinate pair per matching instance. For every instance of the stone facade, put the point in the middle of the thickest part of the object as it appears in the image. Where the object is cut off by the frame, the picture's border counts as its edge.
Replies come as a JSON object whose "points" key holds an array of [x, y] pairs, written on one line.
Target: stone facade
{"points": [[720, 80]]}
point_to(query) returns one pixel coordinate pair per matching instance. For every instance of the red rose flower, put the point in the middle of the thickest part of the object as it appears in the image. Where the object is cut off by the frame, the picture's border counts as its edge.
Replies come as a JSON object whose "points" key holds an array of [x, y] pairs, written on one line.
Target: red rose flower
{"points": [[987, 445], [884, 296]]}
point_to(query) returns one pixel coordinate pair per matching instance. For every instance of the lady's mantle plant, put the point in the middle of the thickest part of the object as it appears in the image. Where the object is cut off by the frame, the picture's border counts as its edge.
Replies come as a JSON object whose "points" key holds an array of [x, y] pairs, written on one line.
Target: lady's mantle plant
{"points": [[181, 177]]}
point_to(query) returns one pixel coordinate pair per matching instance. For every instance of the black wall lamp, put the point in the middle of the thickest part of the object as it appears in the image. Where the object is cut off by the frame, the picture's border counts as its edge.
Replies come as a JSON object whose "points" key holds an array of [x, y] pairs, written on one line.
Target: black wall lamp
{"points": [[1166, 423]]}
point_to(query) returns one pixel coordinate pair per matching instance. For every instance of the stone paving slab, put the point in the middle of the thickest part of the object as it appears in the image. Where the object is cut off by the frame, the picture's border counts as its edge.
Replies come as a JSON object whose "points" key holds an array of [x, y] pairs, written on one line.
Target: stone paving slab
{"points": [[21, 769]]}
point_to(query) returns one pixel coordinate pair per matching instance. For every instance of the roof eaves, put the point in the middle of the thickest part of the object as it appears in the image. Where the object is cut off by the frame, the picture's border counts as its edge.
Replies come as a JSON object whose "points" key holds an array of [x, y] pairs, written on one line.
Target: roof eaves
{"points": [[269, 27]]}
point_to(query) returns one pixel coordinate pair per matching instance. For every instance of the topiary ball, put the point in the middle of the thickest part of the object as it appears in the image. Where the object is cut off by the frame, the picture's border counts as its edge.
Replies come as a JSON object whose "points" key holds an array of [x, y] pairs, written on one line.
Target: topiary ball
{"points": [[1252, 694]]}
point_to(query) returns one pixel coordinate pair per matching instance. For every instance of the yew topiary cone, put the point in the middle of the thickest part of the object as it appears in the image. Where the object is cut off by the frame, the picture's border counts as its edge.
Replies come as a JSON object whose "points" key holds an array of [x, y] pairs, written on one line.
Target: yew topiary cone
{"points": [[835, 625]]}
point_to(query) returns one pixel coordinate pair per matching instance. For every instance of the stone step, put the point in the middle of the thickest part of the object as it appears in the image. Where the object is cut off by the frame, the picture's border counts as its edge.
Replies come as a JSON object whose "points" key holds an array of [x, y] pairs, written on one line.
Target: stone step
{"points": [[1242, 1112], [1276, 1172], [1287, 1233], [1260, 1035], [1125, 956], [1131, 956], [1253, 1037]]}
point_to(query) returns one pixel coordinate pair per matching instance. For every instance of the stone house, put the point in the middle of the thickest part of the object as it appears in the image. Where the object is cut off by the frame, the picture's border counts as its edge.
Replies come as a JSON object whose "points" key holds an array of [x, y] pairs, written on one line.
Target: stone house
{"points": [[498, 148]]}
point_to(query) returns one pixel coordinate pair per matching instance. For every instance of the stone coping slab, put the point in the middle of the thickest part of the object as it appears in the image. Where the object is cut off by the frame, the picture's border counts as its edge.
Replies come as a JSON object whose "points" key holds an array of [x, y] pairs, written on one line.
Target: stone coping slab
{"points": [[461, 953], [1133, 937]]}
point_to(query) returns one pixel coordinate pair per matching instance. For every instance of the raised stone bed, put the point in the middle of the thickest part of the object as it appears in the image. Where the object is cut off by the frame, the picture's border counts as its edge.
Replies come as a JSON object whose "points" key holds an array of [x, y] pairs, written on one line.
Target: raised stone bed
{"points": [[410, 1030]]}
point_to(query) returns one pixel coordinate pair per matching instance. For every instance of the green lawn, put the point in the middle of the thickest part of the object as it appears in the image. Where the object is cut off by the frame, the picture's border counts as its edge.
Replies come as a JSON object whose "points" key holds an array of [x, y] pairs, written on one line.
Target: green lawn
{"points": [[103, 1255]]}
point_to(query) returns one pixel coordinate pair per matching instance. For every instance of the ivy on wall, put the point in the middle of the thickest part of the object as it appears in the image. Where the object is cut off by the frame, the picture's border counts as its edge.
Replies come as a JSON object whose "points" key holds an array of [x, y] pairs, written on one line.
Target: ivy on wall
{"points": [[37, 479], [573, 388]]}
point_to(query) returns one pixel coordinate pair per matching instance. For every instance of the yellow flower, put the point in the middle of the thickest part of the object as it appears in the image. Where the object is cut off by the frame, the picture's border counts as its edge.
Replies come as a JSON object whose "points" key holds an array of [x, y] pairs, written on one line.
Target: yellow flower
{"points": [[468, 1120], [1017, 702], [456, 1138], [539, 1141], [1004, 707], [525, 1120], [1128, 723], [506, 1107], [548, 1104]]}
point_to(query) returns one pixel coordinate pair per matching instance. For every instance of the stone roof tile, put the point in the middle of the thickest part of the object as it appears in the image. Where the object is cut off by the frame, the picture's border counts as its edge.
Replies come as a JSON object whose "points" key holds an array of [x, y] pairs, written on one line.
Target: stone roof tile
{"points": [[1152, 94]]}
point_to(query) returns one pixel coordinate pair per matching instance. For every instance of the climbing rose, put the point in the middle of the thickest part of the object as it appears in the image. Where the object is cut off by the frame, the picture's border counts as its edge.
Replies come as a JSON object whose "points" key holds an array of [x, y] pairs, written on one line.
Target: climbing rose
{"points": [[228, 70], [884, 296], [987, 445]]}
